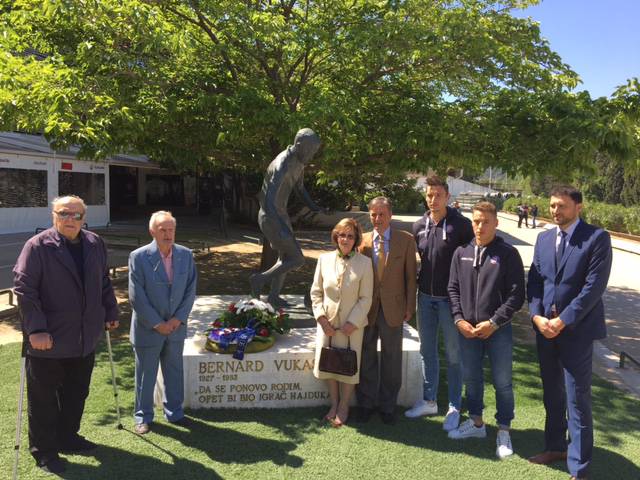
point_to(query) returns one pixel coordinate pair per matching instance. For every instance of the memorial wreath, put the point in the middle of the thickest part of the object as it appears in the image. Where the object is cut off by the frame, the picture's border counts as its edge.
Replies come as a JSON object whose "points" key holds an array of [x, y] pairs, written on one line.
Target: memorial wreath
{"points": [[246, 326]]}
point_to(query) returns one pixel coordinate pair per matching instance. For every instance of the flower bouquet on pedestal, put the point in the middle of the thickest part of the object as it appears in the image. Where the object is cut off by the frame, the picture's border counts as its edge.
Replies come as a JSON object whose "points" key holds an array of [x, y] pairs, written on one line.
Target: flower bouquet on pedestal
{"points": [[246, 326]]}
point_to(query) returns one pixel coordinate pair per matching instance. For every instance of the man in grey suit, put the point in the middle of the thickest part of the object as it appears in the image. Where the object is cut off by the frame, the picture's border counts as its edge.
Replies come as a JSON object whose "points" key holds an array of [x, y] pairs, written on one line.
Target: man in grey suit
{"points": [[162, 289]]}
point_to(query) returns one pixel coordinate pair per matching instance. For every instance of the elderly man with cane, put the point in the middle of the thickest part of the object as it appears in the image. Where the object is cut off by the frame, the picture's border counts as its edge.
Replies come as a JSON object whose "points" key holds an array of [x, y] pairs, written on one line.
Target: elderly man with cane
{"points": [[66, 299]]}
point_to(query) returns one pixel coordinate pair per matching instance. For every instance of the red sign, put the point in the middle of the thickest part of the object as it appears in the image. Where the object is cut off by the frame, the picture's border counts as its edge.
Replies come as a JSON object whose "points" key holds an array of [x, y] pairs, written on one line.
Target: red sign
{"points": [[67, 166]]}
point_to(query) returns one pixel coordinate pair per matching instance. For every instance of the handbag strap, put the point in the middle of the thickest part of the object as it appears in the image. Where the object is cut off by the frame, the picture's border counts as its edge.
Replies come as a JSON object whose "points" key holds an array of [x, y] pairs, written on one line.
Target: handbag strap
{"points": [[348, 340]]}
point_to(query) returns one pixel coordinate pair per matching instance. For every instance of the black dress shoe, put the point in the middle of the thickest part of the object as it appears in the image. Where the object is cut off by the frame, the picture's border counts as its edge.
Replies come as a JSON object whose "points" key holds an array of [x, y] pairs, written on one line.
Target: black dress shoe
{"points": [[364, 414], [388, 418], [78, 444], [52, 465]]}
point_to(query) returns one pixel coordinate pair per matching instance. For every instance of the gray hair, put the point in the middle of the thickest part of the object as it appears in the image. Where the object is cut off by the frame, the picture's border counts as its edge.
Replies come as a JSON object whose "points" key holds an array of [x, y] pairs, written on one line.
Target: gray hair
{"points": [[67, 199], [383, 200], [159, 214]]}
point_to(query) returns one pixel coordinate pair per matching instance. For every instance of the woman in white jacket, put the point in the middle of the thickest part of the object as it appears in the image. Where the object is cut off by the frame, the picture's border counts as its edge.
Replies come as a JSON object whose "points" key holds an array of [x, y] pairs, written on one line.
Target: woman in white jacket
{"points": [[341, 297]]}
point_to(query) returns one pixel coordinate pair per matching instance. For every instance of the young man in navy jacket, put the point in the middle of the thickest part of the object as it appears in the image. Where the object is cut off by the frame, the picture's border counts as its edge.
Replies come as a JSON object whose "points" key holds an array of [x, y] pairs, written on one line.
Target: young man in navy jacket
{"points": [[437, 235], [486, 288]]}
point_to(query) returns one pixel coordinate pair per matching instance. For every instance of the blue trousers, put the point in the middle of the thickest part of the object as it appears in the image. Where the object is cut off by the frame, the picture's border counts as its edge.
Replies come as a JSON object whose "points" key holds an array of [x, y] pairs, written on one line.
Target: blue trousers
{"points": [[434, 312], [169, 357], [499, 348], [566, 370]]}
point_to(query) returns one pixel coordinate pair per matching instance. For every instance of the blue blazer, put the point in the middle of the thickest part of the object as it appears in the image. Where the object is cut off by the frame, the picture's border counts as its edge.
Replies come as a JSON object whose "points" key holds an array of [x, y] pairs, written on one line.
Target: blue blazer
{"points": [[154, 299], [576, 289]]}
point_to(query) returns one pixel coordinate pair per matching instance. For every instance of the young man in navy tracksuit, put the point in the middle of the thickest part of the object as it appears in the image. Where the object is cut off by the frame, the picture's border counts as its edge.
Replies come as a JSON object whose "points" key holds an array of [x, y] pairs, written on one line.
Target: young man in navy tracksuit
{"points": [[437, 235], [486, 288]]}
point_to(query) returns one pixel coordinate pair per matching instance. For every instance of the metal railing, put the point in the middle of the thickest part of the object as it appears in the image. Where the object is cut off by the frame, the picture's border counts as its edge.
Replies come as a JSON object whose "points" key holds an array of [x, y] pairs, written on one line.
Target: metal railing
{"points": [[13, 310], [625, 355], [9, 292]]}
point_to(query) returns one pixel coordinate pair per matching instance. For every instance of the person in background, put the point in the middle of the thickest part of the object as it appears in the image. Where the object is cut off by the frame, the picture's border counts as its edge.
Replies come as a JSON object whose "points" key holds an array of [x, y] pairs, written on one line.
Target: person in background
{"points": [[520, 212], [534, 215]]}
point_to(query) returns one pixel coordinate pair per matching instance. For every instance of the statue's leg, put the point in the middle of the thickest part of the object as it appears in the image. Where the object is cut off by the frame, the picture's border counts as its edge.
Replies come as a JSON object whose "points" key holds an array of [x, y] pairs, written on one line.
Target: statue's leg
{"points": [[256, 281], [274, 298], [289, 260]]}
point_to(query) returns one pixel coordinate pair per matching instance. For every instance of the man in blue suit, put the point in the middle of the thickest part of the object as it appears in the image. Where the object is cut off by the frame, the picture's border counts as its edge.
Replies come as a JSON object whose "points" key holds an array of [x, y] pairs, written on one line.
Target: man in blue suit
{"points": [[568, 277], [162, 289]]}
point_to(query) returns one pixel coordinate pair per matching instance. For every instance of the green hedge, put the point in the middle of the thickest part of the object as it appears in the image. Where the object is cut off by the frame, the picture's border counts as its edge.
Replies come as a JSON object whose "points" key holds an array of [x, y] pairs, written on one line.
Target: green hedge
{"points": [[511, 204], [616, 218], [604, 215], [403, 195], [632, 220], [497, 201]]}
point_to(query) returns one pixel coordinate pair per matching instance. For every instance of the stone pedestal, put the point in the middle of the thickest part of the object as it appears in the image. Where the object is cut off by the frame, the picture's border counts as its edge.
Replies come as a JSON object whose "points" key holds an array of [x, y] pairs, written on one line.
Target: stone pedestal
{"points": [[280, 377]]}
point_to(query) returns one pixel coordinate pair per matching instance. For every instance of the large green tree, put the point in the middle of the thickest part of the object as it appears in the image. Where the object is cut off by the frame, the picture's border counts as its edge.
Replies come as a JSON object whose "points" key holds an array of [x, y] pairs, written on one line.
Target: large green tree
{"points": [[389, 85]]}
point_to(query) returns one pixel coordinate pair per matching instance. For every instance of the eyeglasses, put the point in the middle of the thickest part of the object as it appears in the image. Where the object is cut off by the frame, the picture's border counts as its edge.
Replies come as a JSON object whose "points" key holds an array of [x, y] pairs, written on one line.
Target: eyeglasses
{"points": [[74, 215], [346, 236]]}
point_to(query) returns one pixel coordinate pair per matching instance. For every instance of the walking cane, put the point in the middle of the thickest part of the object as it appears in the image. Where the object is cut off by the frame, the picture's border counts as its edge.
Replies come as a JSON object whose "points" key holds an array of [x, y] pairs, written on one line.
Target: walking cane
{"points": [[23, 370], [113, 379]]}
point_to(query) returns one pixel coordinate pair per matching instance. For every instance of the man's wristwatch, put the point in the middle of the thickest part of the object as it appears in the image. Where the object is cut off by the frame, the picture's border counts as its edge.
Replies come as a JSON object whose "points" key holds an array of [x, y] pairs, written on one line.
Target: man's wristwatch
{"points": [[494, 325]]}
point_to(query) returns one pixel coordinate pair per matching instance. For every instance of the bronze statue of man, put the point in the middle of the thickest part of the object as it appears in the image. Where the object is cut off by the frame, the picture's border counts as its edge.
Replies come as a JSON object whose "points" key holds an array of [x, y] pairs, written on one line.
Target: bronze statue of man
{"points": [[284, 175]]}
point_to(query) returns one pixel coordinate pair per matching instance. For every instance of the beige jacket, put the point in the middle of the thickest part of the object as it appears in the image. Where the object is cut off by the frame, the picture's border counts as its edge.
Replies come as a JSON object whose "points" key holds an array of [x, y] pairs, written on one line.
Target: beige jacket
{"points": [[396, 293], [342, 289]]}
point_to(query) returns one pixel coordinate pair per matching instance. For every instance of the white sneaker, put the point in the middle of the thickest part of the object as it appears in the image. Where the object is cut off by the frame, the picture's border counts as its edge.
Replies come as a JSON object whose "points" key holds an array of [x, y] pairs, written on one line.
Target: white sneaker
{"points": [[452, 420], [467, 429], [503, 444], [421, 408]]}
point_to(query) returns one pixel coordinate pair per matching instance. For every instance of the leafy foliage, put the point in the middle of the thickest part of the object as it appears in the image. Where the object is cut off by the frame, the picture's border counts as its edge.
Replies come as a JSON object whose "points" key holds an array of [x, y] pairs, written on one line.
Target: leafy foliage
{"points": [[390, 86]]}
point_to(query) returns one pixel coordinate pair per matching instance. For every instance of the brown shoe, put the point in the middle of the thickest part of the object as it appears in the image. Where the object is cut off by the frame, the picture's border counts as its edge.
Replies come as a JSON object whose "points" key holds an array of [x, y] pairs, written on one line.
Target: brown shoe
{"points": [[545, 458], [142, 428]]}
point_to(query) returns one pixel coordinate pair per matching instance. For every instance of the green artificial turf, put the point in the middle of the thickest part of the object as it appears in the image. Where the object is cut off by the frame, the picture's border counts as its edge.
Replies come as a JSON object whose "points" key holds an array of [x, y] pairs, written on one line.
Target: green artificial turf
{"points": [[295, 443]]}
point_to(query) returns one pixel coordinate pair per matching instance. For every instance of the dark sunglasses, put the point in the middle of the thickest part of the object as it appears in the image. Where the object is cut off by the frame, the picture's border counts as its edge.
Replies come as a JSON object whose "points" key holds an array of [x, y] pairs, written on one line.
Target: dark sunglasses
{"points": [[73, 215]]}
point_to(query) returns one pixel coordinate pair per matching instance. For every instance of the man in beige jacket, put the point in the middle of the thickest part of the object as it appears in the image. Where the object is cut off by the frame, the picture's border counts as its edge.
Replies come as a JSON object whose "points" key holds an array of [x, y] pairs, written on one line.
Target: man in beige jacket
{"points": [[393, 253]]}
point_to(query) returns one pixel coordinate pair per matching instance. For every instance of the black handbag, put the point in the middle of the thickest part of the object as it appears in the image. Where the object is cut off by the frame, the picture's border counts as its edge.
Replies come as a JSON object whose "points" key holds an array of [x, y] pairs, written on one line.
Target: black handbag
{"points": [[342, 361]]}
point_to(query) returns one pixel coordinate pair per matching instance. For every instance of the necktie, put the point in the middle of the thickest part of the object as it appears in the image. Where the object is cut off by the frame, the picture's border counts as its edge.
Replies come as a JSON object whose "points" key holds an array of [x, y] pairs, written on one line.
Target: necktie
{"points": [[381, 258], [561, 247]]}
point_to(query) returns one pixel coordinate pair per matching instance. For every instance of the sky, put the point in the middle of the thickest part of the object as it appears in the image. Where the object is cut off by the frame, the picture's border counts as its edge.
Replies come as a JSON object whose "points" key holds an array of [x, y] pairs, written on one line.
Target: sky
{"points": [[599, 39]]}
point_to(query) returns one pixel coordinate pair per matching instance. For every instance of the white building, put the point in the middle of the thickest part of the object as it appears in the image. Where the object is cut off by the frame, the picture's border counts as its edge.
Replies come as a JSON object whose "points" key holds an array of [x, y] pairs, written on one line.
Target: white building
{"points": [[457, 186], [32, 174]]}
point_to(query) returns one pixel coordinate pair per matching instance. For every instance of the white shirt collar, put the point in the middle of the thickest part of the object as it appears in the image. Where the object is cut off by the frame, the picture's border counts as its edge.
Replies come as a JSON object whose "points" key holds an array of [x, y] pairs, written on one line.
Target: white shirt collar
{"points": [[385, 235], [569, 230]]}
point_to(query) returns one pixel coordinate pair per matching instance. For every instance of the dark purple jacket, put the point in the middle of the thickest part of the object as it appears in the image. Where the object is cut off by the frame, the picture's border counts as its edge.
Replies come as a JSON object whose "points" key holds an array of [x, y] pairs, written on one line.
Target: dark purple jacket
{"points": [[53, 299]]}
